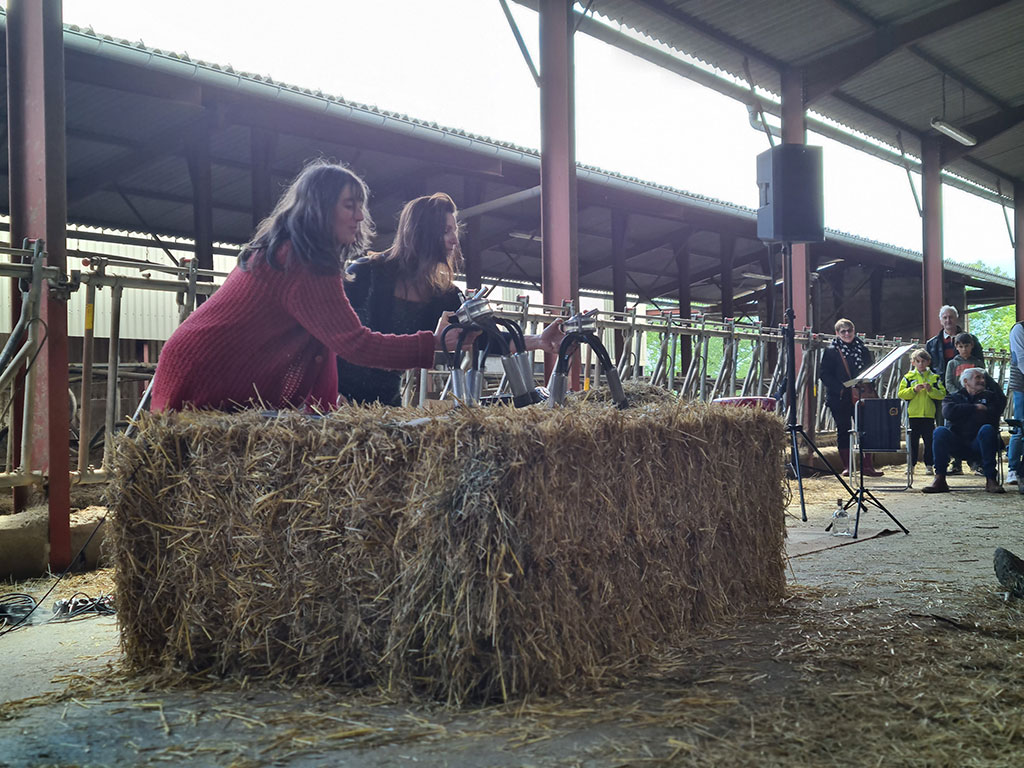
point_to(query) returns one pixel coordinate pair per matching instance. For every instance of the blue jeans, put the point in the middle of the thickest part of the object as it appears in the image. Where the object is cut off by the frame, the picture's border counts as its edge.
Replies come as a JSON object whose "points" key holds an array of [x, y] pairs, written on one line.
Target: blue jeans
{"points": [[1014, 455], [982, 448]]}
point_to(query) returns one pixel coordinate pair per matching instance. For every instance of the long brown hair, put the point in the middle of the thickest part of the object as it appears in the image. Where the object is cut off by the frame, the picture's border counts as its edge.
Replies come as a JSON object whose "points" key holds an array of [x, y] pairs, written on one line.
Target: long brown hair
{"points": [[305, 216], [418, 249]]}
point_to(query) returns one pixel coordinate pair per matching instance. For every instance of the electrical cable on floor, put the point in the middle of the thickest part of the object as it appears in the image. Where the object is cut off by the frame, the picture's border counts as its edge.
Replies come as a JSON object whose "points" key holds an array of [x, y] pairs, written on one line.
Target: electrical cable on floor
{"points": [[103, 598], [15, 607]]}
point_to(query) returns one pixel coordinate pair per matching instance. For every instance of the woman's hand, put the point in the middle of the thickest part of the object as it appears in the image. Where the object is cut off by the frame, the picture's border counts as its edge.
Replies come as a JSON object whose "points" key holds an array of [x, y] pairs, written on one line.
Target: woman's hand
{"points": [[548, 340], [453, 338]]}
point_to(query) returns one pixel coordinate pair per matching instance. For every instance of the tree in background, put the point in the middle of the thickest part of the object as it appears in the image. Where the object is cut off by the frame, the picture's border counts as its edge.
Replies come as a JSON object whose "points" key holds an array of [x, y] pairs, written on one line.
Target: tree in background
{"points": [[992, 327]]}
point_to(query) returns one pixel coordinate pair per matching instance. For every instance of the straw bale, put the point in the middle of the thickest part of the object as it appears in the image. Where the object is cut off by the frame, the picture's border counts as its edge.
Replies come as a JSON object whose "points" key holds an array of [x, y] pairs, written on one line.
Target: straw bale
{"points": [[481, 554], [637, 391]]}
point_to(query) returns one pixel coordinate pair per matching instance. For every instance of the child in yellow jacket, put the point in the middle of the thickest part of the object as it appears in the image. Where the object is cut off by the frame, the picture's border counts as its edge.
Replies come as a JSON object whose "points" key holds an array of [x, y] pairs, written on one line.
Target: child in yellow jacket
{"points": [[923, 389]]}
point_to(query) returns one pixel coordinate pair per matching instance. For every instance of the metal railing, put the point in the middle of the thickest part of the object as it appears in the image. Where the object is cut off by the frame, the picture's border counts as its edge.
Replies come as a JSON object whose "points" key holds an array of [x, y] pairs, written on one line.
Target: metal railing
{"points": [[187, 282], [726, 357]]}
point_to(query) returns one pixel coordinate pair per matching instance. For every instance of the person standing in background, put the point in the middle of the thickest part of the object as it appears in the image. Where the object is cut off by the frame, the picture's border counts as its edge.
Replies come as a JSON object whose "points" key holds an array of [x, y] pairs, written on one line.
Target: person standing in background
{"points": [[964, 359], [845, 357], [1016, 390], [942, 348], [921, 387]]}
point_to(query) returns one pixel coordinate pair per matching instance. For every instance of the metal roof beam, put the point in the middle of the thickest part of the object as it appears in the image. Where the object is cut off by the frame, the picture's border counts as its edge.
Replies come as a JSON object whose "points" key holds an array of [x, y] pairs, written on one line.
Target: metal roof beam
{"points": [[738, 261], [957, 76], [96, 70], [646, 246], [677, 15], [164, 197], [826, 72], [498, 203], [163, 143]]}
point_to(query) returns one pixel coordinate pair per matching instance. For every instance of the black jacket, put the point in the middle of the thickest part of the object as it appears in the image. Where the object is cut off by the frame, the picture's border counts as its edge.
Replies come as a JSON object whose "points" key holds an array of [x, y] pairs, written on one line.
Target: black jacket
{"points": [[832, 373], [371, 292], [963, 417], [934, 348]]}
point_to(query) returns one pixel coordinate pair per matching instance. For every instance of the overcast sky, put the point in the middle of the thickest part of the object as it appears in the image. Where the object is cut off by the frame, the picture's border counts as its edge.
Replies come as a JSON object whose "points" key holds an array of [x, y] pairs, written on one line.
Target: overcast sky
{"points": [[456, 62]]}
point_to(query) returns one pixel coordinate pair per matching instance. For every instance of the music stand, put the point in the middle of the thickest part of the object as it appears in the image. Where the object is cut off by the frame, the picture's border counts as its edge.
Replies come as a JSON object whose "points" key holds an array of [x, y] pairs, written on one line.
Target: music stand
{"points": [[868, 376], [878, 368], [881, 439]]}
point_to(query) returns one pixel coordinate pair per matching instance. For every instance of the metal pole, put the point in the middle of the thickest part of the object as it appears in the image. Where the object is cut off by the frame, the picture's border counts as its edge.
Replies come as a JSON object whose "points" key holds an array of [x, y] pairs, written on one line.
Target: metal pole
{"points": [[85, 418], [113, 357], [28, 415]]}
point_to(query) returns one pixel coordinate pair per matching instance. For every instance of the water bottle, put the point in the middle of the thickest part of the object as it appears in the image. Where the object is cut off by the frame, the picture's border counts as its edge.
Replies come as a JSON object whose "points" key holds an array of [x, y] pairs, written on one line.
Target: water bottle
{"points": [[840, 520]]}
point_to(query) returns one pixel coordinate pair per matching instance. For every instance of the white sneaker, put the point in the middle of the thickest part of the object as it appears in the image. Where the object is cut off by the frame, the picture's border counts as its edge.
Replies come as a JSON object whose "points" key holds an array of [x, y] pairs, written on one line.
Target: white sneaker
{"points": [[929, 471], [1011, 477]]}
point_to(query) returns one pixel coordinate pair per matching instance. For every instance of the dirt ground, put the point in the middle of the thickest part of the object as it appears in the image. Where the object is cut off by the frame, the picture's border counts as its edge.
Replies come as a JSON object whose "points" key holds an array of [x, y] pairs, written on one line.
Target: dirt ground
{"points": [[890, 650]]}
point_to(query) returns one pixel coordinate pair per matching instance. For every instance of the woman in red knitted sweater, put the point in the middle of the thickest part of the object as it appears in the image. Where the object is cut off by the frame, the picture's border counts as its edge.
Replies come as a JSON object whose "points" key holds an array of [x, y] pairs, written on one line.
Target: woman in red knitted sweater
{"points": [[270, 335]]}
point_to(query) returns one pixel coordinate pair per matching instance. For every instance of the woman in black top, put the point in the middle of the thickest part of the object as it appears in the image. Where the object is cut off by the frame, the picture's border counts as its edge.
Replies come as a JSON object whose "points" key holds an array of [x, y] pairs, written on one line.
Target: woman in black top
{"points": [[407, 288], [842, 360]]}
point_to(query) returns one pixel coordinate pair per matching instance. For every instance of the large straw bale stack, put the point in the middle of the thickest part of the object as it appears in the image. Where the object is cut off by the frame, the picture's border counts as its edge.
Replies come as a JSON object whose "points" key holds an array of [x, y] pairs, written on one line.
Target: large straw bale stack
{"points": [[484, 553]]}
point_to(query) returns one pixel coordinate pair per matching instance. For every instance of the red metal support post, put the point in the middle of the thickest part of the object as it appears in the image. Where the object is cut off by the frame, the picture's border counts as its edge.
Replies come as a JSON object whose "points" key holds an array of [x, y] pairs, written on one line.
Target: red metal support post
{"points": [[472, 194], [200, 171], [727, 249], [38, 195], [794, 131], [931, 205], [559, 264], [877, 283]]}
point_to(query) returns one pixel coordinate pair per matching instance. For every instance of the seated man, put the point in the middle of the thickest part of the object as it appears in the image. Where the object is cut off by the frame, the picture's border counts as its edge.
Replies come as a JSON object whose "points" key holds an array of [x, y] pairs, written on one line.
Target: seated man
{"points": [[973, 416]]}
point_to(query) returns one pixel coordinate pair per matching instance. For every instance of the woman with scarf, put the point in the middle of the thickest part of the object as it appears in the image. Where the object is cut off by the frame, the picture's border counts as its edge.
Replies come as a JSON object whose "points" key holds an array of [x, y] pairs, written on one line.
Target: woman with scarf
{"points": [[843, 360]]}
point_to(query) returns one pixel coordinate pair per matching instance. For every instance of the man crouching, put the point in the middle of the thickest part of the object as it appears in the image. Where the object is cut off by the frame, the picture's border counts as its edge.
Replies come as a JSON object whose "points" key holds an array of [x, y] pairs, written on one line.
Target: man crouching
{"points": [[972, 416]]}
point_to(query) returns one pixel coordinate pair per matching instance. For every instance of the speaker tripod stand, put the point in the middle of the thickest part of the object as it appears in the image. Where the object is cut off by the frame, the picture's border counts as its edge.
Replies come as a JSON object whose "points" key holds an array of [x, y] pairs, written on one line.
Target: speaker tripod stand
{"points": [[795, 429], [790, 181]]}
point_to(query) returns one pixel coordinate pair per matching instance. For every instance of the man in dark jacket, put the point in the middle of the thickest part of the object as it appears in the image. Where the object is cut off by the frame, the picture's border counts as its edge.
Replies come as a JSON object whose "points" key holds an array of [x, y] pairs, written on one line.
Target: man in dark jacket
{"points": [[973, 416], [942, 348]]}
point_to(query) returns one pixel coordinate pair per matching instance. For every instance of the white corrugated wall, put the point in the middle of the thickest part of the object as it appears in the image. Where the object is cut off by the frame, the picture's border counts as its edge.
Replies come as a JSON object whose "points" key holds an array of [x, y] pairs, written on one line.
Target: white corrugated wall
{"points": [[147, 315]]}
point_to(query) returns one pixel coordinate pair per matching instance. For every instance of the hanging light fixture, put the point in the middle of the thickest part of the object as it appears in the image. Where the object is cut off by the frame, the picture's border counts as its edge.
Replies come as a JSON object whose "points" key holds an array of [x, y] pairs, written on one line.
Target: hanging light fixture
{"points": [[943, 126]]}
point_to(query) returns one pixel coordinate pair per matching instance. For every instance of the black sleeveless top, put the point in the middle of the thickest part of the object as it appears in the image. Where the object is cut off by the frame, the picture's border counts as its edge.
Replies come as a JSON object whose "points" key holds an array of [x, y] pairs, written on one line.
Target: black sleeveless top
{"points": [[371, 291]]}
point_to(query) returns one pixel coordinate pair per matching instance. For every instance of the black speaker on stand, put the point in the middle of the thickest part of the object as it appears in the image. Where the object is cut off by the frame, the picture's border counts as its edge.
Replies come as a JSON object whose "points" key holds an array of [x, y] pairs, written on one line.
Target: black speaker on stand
{"points": [[791, 210], [790, 186]]}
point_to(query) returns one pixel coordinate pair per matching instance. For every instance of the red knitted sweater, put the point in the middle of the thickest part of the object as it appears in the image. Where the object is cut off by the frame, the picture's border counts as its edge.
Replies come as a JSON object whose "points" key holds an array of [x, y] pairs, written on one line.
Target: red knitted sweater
{"points": [[272, 336]]}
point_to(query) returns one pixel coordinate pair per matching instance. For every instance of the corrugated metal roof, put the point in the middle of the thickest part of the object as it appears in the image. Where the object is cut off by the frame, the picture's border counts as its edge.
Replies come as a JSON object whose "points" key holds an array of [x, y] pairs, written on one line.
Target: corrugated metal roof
{"points": [[397, 153], [979, 58]]}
